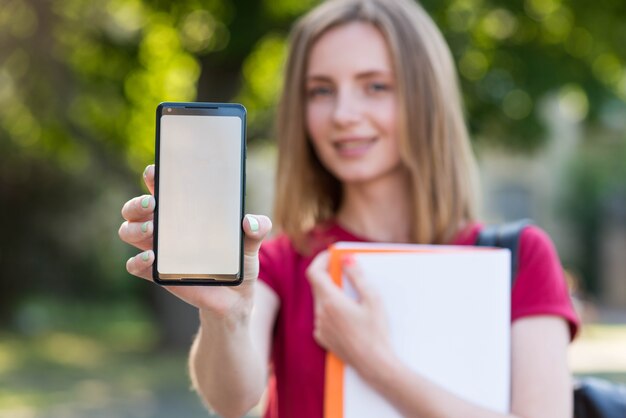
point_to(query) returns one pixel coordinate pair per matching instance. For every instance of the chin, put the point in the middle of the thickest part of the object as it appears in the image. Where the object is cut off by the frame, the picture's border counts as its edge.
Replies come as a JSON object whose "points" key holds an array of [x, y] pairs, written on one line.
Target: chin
{"points": [[356, 178], [367, 175]]}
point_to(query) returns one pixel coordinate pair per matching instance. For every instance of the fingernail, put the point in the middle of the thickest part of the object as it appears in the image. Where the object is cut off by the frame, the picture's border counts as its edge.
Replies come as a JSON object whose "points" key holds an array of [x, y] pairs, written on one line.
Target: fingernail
{"points": [[144, 226], [145, 172], [254, 223], [145, 256], [348, 260], [145, 202]]}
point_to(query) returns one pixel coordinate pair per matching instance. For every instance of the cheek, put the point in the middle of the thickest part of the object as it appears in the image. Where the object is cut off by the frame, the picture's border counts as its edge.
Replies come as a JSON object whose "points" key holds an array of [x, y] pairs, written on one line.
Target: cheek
{"points": [[387, 119], [317, 121]]}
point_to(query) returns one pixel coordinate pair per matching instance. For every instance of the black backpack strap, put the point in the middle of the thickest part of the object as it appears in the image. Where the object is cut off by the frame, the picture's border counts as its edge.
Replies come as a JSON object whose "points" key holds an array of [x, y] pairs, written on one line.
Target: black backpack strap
{"points": [[595, 397], [504, 236]]}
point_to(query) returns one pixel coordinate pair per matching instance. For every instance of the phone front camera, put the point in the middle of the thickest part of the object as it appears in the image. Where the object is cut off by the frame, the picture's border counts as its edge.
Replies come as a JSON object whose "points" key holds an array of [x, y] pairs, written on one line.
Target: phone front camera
{"points": [[169, 109]]}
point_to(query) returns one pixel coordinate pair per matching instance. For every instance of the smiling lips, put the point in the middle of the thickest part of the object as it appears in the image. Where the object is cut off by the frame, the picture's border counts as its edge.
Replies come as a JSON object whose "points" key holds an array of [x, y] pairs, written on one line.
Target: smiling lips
{"points": [[354, 146]]}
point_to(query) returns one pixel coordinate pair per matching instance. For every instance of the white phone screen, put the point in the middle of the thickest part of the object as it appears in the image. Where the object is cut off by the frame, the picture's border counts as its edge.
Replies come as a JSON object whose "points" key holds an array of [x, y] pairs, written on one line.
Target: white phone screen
{"points": [[200, 187]]}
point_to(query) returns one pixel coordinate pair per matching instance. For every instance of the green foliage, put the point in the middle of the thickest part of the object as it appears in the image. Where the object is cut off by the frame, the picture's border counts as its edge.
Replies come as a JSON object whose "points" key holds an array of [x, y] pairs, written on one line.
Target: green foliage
{"points": [[595, 197], [80, 81], [262, 71], [510, 54], [108, 63], [79, 91]]}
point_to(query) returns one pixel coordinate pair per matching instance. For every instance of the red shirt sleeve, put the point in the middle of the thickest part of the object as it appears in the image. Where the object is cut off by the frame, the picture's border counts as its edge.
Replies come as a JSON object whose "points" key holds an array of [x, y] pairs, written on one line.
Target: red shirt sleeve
{"points": [[540, 287]]}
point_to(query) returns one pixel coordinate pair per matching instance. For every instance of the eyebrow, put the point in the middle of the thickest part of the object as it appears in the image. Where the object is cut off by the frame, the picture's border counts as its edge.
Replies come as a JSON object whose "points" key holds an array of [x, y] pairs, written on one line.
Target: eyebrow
{"points": [[365, 74]]}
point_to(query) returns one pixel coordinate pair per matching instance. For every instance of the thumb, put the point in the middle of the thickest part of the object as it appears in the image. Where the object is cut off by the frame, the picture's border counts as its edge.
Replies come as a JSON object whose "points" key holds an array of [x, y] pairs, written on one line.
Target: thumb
{"points": [[355, 275], [255, 227], [148, 177]]}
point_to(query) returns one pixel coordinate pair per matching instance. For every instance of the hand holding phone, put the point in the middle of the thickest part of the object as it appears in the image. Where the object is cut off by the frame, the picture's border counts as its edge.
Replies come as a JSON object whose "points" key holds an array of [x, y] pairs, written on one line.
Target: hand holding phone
{"points": [[223, 301]]}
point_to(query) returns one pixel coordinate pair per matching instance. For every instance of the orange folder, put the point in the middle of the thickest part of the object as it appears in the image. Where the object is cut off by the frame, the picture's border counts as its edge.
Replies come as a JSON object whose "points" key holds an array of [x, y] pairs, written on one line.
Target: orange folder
{"points": [[334, 389]]}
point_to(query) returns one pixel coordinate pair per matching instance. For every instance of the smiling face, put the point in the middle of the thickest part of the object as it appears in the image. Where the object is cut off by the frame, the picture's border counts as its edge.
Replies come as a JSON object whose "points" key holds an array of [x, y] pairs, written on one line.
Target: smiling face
{"points": [[351, 104]]}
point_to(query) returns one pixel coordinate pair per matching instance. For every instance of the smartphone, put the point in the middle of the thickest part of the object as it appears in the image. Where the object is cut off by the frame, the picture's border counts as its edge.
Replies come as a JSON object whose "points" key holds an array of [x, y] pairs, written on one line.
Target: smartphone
{"points": [[199, 189]]}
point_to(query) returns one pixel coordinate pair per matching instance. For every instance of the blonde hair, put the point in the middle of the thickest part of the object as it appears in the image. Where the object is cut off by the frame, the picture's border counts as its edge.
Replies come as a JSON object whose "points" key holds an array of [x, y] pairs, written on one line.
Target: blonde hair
{"points": [[433, 139]]}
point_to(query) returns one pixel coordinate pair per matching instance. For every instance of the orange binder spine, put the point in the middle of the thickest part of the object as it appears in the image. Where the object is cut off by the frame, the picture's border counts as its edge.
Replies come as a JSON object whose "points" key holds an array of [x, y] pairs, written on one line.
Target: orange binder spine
{"points": [[333, 387]]}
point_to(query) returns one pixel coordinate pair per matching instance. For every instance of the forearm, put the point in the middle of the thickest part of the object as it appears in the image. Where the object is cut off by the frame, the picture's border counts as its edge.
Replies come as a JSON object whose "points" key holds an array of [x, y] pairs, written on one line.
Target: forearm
{"points": [[415, 396], [540, 384], [226, 369]]}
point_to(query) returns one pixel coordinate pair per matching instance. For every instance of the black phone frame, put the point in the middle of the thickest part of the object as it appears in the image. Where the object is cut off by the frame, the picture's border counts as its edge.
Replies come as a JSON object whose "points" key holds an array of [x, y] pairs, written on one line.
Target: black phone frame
{"points": [[211, 109]]}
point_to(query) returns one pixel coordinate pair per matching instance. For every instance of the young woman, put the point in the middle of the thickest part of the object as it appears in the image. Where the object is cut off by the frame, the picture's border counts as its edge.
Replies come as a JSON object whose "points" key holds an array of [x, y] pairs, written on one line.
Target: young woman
{"points": [[372, 147]]}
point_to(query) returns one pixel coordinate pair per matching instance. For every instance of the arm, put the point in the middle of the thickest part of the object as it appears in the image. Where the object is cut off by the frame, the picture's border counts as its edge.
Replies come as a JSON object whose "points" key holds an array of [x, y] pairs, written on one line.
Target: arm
{"points": [[354, 331], [228, 360], [541, 385], [229, 357]]}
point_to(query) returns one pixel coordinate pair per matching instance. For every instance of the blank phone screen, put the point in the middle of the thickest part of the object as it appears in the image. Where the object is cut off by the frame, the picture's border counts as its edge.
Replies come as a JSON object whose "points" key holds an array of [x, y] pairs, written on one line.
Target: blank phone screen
{"points": [[199, 197]]}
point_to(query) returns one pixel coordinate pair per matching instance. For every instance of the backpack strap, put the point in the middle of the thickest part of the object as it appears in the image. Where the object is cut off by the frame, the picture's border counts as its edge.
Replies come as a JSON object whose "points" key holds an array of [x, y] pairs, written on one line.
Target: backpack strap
{"points": [[504, 236]]}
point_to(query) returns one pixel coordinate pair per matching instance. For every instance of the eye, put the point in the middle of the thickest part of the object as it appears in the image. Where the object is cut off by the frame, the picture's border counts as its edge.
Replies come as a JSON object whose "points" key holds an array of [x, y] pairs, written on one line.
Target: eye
{"points": [[377, 87], [319, 91]]}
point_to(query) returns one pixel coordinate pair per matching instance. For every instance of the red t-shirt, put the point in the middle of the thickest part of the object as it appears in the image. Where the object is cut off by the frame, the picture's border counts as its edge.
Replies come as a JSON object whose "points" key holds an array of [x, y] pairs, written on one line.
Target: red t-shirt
{"points": [[297, 385]]}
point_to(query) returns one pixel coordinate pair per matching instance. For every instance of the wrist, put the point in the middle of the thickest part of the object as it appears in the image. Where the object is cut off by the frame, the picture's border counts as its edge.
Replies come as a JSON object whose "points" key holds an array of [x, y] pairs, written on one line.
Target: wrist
{"points": [[380, 371], [229, 306], [230, 319]]}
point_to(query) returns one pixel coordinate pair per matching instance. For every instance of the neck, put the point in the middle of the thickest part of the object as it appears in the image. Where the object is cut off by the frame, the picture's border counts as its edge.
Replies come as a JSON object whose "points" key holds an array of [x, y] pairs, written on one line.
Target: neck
{"points": [[378, 211]]}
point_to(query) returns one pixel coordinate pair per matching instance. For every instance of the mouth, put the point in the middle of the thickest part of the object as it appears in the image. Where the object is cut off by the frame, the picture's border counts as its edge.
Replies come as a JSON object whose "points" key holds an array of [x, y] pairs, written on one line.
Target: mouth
{"points": [[354, 146]]}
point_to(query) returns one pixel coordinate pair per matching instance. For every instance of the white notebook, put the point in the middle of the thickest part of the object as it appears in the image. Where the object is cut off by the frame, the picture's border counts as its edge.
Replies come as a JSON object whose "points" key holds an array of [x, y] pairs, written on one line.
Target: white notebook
{"points": [[448, 310]]}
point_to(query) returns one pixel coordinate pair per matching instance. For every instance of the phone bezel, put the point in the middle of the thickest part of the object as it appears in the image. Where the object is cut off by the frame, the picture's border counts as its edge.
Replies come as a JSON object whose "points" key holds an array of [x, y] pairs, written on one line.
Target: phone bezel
{"points": [[210, 109]]}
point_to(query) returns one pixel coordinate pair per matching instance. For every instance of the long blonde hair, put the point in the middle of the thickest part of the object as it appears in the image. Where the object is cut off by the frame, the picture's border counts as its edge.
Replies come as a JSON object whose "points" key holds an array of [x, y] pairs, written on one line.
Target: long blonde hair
{"points": [[433, 139]]}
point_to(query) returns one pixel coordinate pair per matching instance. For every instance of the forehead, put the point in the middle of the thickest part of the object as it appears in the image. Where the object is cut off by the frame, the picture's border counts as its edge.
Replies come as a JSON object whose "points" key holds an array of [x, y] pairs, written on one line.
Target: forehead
{"points": [[349, 48]]}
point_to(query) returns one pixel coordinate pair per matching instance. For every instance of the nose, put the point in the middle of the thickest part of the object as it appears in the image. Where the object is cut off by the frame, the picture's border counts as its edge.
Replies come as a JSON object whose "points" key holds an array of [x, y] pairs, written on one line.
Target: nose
{"points": [[347, 109]]}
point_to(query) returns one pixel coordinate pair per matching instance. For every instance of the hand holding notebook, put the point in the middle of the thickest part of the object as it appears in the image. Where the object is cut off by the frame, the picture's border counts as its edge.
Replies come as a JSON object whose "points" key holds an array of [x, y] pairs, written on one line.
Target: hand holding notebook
{"points": [[448, 313]]}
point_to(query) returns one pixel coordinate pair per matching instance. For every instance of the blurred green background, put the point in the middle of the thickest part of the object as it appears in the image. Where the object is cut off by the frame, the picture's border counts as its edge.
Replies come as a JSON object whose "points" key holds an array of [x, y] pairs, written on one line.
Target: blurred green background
{"points": [[544, 81]]}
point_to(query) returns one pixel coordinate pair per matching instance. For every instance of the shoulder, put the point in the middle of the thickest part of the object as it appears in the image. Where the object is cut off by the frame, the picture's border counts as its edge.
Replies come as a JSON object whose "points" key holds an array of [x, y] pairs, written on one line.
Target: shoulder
{"points": [[536, 244], [538, 258]]}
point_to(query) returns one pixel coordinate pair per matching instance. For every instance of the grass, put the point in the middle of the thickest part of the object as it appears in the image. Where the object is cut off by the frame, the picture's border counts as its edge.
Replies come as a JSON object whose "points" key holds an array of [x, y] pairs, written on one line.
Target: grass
{"points": [[92, 361], [600, 351], [103, 361]]}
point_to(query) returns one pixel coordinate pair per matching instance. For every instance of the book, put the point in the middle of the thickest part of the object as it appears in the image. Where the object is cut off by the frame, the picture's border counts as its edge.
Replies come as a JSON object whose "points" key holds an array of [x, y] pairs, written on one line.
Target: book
{"points": [[448, 310]]}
